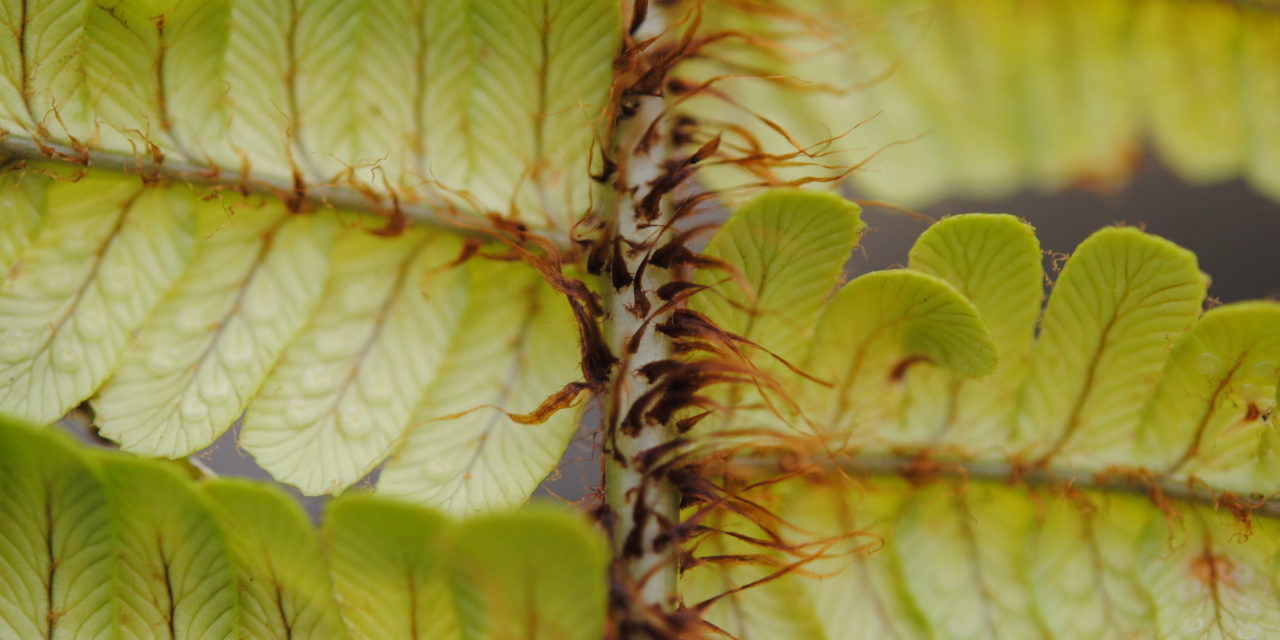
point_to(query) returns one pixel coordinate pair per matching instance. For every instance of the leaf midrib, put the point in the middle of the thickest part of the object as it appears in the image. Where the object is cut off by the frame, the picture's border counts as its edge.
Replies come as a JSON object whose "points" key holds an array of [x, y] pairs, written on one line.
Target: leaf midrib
{"points": [[317, 196], [918, 468]]}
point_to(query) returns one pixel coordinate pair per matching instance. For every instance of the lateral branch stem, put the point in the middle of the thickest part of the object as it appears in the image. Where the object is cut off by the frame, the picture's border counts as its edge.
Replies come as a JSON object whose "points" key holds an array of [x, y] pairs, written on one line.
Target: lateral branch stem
{"points": [[1136, 482], [334, 196]]}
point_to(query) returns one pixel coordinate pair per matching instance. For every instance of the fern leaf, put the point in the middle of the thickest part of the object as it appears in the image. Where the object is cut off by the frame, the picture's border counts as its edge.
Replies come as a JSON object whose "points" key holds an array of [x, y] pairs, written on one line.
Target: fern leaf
{"points": [[1067, 91], [780, 255], [49, 75], [575, 105], [1183, 52], [107, 251], [173, 568], [789, 250], [1205, 420], [990, 561], [56, 565], [1136, 502], [207, 347], [516, 347], [104, 545], [390, 569], [777, 608], [994, 260], [472, 580], [1260, 86], [22, 199], [122, 40], [260, 113], [521, 586], [504, 106], [1121, 300], [175, 315], [193, 43], [282, 588], [344, 390], [324, 40], [877, 327], [784, 253], [384, 133]]}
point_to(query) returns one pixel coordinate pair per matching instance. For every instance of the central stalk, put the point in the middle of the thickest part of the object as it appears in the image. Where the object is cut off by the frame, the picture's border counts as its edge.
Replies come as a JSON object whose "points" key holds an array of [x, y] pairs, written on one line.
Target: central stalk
{"points": [[643, 506]]}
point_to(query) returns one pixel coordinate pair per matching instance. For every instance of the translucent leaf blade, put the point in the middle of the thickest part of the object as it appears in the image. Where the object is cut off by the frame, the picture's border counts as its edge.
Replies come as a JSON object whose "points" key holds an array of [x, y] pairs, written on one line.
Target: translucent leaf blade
{"points": [[54, 39], [209, 344], [1206, 418], [960, 559], [260, 107], [1121, 301], [22, 200], [174, 571], [1070, 93], [106, 253], [344, 390], [545, 582], [56, 558], [390, 569], [873, 331], [517, 347], [108, 545], [789, 248], [483, 107], [283, 588], [995, 262]]}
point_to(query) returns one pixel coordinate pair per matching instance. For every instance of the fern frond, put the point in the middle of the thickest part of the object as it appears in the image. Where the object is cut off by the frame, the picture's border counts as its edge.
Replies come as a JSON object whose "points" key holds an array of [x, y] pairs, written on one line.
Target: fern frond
{"points": [[977, 559], [498, 364], [984, 98], [101, 545], [1005, 281], [787, 250], [475, 106], [344, 388], [208, 345], [106, 252], [176, 316], [967, 471], [1122, 359]]}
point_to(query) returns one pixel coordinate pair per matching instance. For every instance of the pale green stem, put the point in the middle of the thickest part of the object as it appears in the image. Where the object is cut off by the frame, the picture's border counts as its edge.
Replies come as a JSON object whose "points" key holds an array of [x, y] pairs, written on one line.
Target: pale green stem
{"points": [[1132, 481], [650, 577], [336, 196]]}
